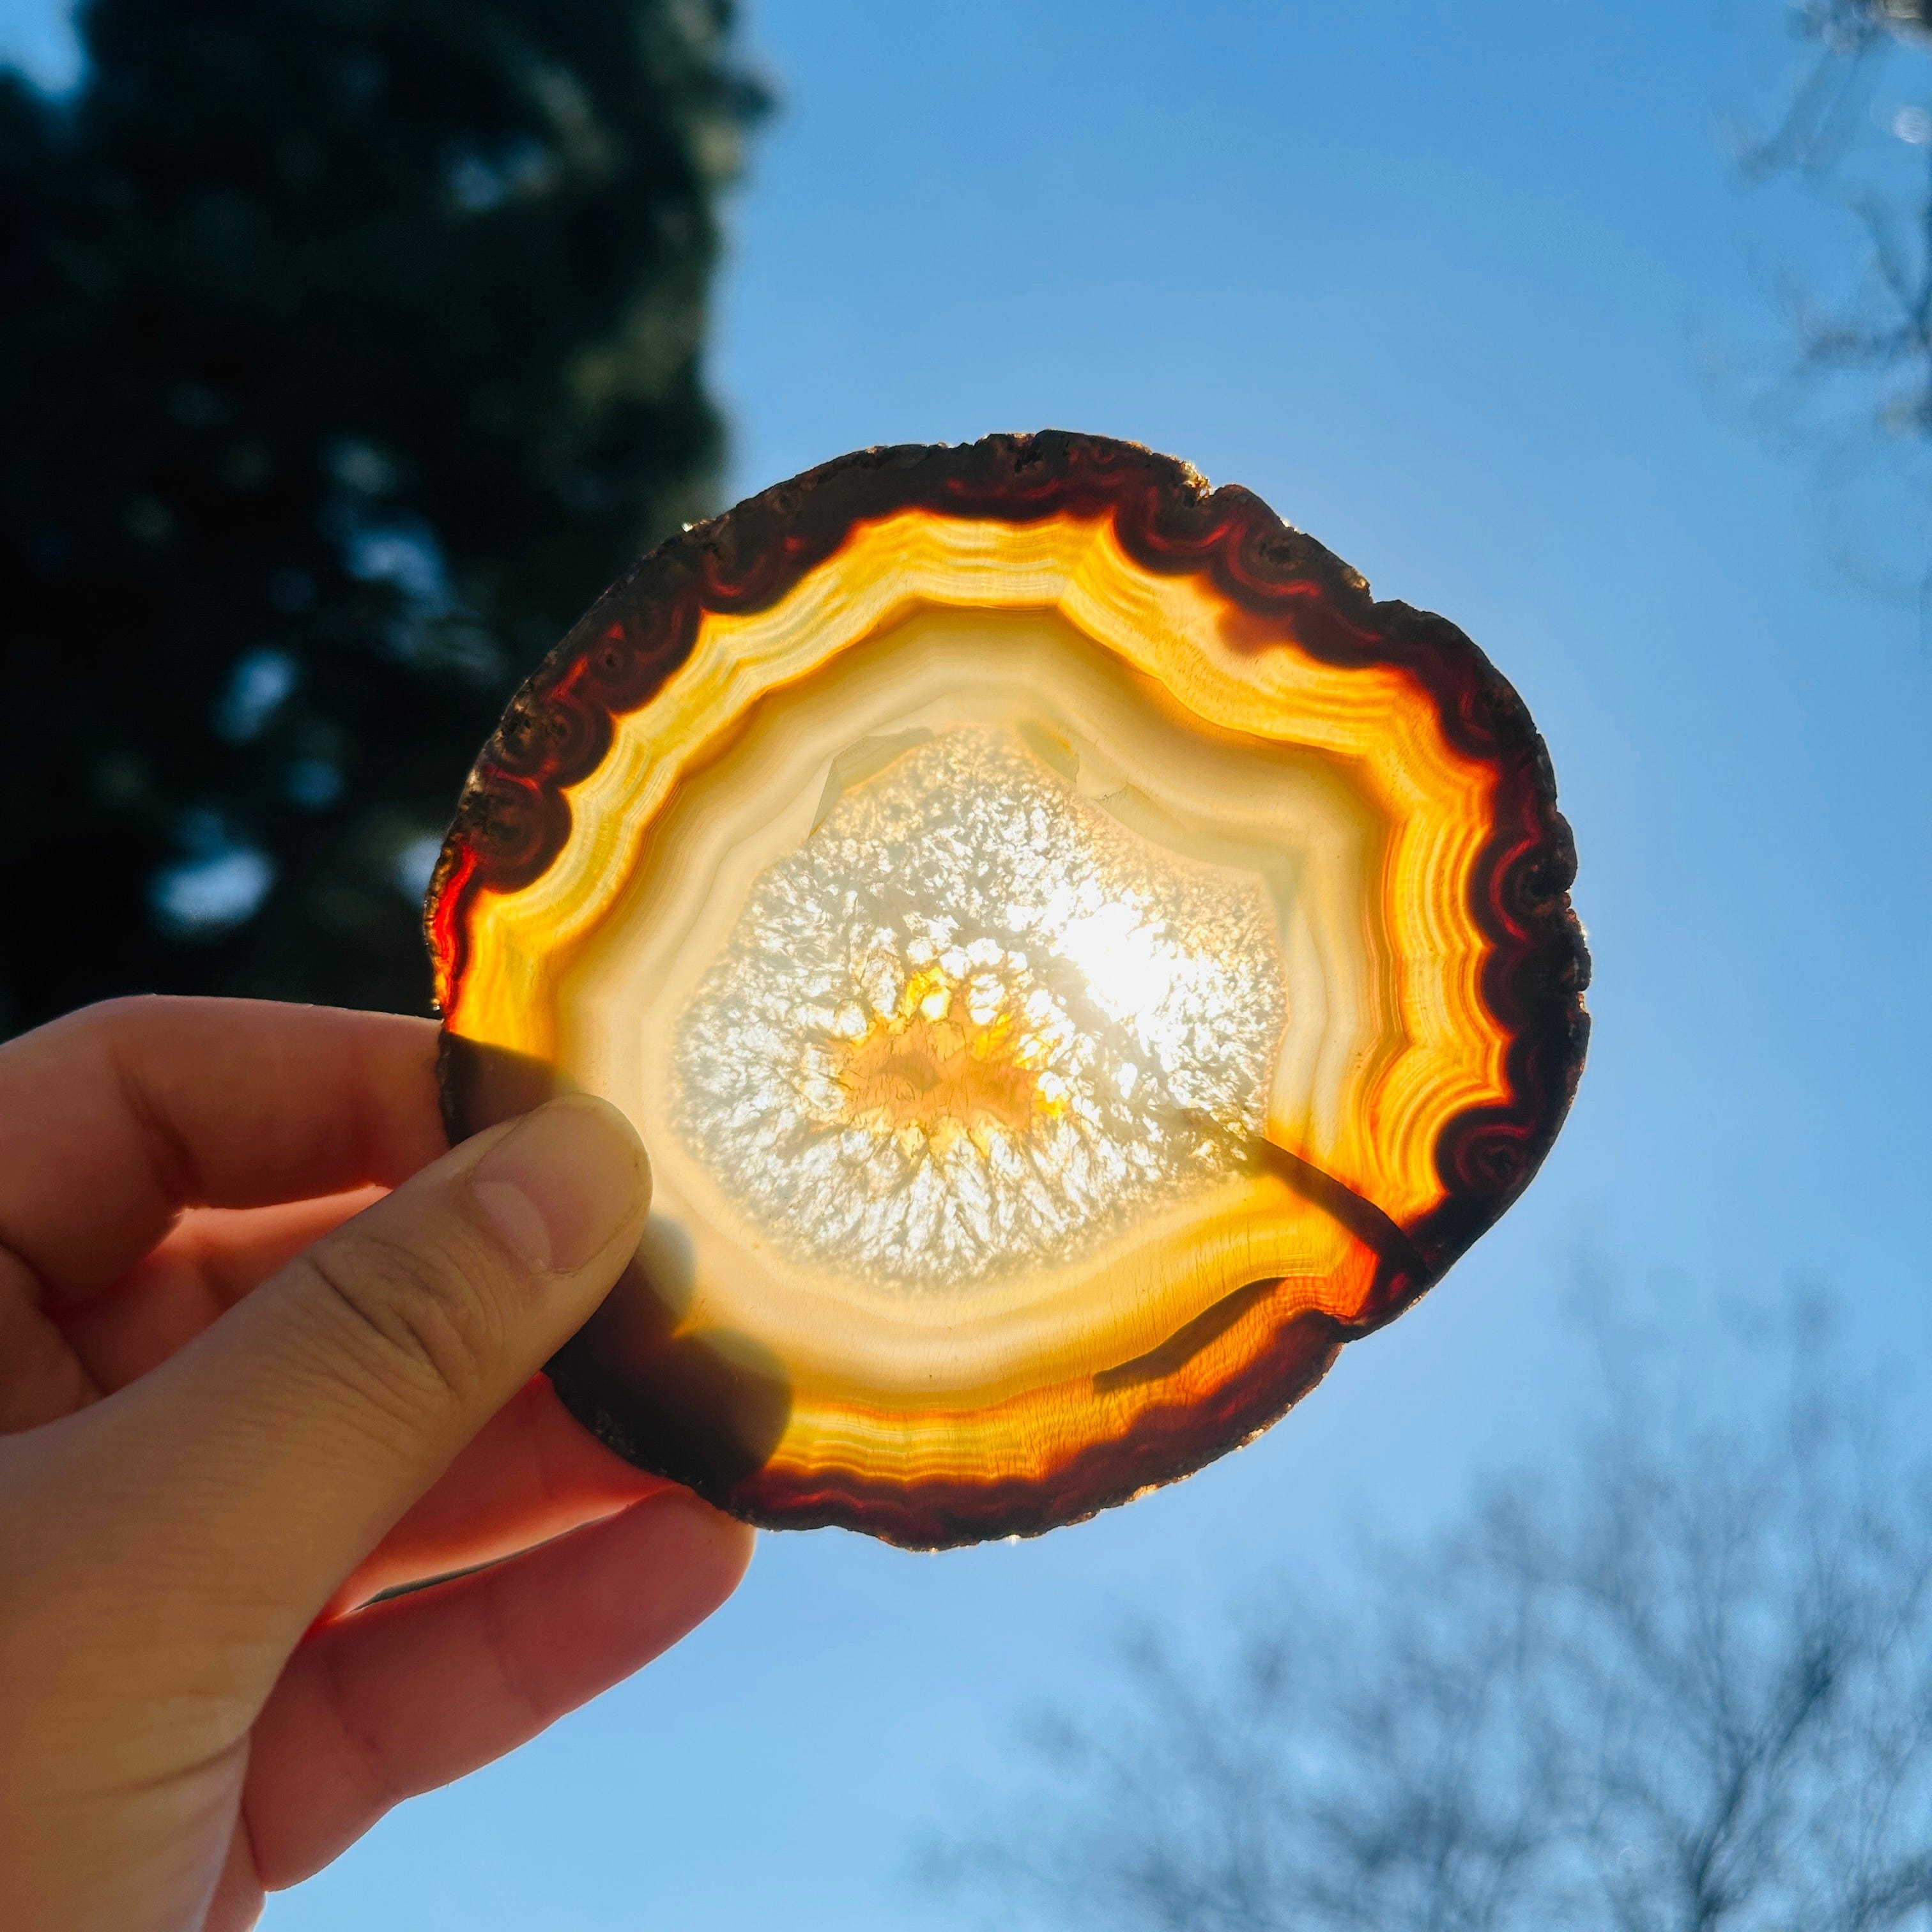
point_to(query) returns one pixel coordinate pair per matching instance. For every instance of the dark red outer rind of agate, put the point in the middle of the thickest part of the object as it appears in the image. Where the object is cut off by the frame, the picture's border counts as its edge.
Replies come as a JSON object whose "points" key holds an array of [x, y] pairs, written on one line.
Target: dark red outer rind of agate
{"points": [[512, 820]]}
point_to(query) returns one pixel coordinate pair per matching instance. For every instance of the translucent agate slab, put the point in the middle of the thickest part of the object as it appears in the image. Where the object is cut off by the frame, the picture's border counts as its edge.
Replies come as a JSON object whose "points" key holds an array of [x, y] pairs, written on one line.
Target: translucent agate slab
{"points": [[1074, 959]]}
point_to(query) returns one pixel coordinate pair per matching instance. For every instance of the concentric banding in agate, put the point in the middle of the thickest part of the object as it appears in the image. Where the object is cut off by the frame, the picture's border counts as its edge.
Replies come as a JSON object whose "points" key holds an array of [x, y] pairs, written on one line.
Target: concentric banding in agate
{"points": [[1076, 960]]}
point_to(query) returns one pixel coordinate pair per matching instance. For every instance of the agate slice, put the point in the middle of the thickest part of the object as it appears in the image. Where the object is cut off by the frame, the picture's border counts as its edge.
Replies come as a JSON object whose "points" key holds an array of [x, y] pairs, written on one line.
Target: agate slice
{"points": [[1074, 959]]}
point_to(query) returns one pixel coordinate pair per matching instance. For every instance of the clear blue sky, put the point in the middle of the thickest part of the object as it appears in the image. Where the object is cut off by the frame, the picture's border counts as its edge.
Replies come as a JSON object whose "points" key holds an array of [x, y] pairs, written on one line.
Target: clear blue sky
{"points": [[1432, 281]]}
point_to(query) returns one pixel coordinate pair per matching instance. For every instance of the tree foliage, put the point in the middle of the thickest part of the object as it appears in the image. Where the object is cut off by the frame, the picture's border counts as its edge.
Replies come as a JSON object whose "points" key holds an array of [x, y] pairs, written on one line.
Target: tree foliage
{"points": [[348, 348], [1688, 1690]]}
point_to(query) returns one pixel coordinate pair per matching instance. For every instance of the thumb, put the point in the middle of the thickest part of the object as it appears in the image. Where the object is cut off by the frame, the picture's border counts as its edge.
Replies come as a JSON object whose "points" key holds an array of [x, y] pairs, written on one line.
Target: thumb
{"points": [[293, 1432]]}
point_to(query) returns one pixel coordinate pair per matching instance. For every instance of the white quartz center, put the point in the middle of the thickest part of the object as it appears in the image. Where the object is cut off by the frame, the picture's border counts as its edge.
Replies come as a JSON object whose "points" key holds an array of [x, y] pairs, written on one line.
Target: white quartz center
{"points": [[974, 1025]]}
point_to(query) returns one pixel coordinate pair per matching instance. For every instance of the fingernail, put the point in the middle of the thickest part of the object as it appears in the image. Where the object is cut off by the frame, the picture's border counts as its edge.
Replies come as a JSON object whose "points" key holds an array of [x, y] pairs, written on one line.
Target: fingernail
{"points": [[563, 1183]]}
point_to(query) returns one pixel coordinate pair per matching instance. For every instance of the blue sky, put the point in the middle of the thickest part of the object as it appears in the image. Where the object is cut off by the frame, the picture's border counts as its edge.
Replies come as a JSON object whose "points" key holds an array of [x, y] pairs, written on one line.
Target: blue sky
{"points": [[1434, 282]]}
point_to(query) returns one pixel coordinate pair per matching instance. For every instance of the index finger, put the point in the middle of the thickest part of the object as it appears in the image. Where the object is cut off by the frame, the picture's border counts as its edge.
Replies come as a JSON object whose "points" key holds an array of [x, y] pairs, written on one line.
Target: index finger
{"points": [[114, 1119]]}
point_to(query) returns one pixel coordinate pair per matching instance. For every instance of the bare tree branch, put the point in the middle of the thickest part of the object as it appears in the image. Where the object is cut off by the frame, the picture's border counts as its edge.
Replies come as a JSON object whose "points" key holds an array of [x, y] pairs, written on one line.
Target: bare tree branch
{"points": [[1857, 378], [1689, 1690]]}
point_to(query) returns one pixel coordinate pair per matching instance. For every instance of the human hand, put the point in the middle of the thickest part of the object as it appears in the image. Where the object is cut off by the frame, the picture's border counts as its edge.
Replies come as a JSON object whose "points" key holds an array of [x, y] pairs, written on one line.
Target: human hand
{"points": [[242, 1391]]}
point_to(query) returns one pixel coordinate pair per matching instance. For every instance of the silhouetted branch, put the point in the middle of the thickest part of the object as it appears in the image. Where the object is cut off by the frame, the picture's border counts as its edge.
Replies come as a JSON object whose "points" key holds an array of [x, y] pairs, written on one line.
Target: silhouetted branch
{"points": [[1865, 357], [1689, 1690]]}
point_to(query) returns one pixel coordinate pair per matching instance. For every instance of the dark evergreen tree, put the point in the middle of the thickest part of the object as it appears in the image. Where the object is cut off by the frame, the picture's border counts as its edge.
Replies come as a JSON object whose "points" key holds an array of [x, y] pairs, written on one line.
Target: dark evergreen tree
{"points": [[347, 348]]}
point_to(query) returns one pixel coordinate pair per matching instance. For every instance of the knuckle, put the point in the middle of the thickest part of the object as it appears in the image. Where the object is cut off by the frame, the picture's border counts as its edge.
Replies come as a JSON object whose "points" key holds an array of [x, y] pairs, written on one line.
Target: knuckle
{"points": [[412, 1311]]}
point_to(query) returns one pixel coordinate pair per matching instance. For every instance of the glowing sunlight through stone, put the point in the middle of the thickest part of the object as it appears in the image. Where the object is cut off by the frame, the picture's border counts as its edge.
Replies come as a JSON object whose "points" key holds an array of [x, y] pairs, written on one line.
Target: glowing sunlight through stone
{"points": [[1075, 960], [930, 1098]]}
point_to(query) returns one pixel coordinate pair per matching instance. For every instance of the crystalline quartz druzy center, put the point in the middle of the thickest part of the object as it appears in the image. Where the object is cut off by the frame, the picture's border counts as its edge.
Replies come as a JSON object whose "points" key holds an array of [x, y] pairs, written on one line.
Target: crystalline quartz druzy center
{"points": [[974, 1023]]}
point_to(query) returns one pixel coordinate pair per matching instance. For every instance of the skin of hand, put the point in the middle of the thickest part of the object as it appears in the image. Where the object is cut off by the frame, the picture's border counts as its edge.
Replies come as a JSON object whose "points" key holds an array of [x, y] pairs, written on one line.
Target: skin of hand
{"points": [[267, 1348]]}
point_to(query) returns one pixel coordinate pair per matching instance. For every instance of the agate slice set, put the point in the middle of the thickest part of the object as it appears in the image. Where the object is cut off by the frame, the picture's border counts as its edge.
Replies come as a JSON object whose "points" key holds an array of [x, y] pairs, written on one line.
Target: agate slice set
{"points": [[1075, 960]]}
